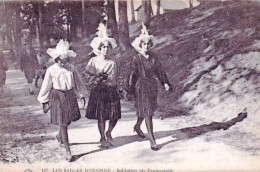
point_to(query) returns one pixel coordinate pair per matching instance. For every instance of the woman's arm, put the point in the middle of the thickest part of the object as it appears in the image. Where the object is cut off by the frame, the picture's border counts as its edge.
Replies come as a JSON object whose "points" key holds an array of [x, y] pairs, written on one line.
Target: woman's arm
{"points": [[80, 88], [44, 93], [89, 75], [133, 77], [161, 74]]}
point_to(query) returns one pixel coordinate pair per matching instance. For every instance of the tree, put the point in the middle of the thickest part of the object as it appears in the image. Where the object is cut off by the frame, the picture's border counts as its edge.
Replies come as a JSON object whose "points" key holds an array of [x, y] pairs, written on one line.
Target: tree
{"points": [[2, 24], [132, 11], [83, 25], [201, 1], [41, 24], [191, 3], [123, 26], [40, 6], [158, 4], [37, 20], [8, 15], [18, 31], [55, 20], [111, 22], [93, 12], [28, 11], [147, 7], [74, 18]]}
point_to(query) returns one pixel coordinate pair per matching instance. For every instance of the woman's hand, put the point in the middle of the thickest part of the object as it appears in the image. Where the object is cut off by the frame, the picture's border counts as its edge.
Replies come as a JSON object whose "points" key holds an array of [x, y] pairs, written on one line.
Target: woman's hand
{"points": [[166, 87], [45, 107], [102, 77]]}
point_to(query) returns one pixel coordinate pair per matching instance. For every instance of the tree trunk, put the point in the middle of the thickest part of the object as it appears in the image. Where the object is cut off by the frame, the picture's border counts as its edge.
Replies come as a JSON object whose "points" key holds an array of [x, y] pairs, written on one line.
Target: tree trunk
{"points": [[191, 3], [37, 31], [147, 10], [44, 25], [132, 11], [18, 39], [158, 7], [145, 14], [68, 16], [75, 18], [83, 26], [112, 24], [88, 26], [123, 26], [9, 26], [30, 34], [2, 20], [39, 24], [36, 16]]}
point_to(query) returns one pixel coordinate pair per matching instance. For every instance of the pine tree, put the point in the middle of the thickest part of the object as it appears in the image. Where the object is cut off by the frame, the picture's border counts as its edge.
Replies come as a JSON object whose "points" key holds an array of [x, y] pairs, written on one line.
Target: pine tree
{"points": [[123, 26], [147, 10], [112, 23], [158, 7], [132, 11]]}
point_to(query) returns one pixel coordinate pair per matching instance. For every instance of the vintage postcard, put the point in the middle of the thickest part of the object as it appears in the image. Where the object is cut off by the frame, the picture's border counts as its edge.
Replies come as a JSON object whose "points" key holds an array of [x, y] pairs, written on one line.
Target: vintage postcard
{"points": [[129, 85]]}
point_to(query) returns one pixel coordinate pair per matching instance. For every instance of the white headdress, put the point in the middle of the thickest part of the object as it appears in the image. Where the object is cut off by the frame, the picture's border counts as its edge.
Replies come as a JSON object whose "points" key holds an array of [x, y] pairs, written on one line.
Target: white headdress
{"points": [[143, 36], [102, 36], [62, 48]]}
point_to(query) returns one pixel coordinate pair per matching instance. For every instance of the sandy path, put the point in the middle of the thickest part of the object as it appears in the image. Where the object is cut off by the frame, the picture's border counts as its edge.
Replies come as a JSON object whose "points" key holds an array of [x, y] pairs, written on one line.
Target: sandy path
{"points": [[28, 138]]}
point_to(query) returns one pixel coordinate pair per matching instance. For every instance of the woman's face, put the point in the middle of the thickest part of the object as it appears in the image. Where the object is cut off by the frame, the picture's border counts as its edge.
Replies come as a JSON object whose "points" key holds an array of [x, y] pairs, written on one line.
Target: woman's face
{"points": [[63, 60], [105, 48], [145, 46]]}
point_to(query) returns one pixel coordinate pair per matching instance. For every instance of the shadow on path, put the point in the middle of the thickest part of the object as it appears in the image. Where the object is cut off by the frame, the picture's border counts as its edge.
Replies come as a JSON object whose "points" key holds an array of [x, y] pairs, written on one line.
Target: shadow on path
{"points": [[88, 143], [181, 134]]}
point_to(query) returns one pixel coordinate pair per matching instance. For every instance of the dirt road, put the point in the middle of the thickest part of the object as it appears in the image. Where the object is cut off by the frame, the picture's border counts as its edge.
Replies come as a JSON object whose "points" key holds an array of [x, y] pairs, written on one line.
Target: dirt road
{"points": [[185, 142]]}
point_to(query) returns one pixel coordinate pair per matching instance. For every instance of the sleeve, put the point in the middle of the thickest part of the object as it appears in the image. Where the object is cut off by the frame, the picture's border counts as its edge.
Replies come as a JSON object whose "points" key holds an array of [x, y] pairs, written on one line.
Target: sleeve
{"points": [[133, 77], [44, 93], [91, 67], [160, 73], [79, 88], [112, 73], [89, 75]]}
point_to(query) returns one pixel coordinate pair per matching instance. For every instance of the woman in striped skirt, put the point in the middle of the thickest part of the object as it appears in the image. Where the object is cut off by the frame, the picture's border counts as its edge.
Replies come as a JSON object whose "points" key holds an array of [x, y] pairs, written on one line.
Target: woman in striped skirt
{"points": [[60, 88]]}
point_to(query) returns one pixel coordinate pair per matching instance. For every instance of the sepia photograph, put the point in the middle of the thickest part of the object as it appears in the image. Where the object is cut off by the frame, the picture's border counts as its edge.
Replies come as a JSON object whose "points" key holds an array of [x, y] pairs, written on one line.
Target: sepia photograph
{"points": [[129, 85]]}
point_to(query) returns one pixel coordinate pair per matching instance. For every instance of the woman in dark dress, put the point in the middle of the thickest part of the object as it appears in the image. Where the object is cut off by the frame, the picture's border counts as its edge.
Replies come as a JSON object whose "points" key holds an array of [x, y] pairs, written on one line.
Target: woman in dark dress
{"points": [[146, 67], [104, 101], [28, 66], [61, 86]]}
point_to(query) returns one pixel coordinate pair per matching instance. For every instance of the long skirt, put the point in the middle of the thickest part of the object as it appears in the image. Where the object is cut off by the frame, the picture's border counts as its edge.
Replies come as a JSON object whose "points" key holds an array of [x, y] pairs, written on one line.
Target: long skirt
{"points": [[29, 74], [104, 103], [63, 107]]}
